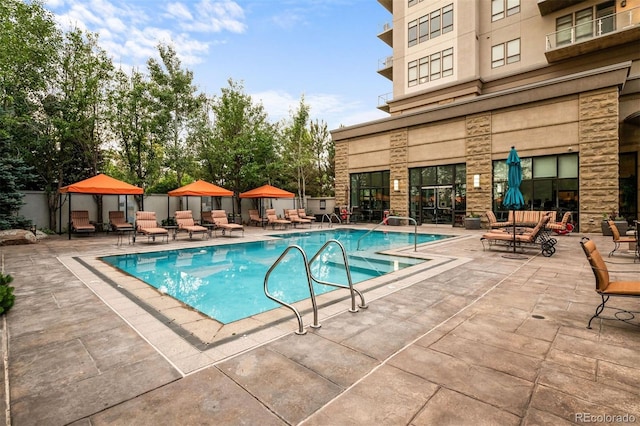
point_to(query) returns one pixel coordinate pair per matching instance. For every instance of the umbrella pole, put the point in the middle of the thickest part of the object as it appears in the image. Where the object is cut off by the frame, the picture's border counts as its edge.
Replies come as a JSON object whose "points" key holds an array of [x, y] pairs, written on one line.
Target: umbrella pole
{"points": [[514, 231]]}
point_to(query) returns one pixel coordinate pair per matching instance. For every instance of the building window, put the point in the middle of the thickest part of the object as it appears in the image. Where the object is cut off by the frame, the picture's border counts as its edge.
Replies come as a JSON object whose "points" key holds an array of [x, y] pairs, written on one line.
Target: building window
{"points": [[412, 76], [498, 8], [581, 25], [423, 29], [548, 183], [435, 24], [447, 19], [370, 195], [438, 193], [423, 70], [563, 29], [413, 33], [435, 66], [413, 2], [510, 50], [447, 62], [513, 51], [584, 24]]}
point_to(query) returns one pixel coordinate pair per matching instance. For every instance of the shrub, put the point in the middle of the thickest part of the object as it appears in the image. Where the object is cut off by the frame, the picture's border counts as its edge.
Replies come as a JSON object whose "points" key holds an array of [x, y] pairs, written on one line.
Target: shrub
{"points": [[6, 293]]}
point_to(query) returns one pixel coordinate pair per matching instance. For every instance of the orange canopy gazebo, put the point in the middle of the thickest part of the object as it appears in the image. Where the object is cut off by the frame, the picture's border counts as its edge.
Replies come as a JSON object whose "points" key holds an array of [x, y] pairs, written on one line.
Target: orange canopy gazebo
{"points": [[199, 188], [267, 191], [100, 185]]}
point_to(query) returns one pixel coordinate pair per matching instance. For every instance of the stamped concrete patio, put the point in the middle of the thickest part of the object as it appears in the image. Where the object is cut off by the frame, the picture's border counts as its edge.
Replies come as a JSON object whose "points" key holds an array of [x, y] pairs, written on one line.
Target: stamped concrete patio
{"points": [[479, 339]]}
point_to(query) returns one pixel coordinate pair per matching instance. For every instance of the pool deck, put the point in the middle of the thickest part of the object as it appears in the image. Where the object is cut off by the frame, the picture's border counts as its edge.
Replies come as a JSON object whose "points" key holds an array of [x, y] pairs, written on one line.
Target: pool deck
{"points": [[472, 338]]}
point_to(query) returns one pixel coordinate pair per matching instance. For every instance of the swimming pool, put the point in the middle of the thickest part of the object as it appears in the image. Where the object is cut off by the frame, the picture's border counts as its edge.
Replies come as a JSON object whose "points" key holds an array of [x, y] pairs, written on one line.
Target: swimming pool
{"points": [[225, 282]]}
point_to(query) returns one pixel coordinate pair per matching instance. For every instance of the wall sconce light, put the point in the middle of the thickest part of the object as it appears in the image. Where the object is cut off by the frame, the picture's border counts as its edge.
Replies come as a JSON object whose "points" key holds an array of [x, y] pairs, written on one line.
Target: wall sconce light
{"points": [[396, 185], [623, 3], [476, 181]]}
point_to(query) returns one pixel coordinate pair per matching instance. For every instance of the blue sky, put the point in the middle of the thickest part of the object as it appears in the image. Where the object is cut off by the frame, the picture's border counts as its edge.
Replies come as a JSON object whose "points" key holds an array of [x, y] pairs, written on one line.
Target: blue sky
{"points": [[326, 50]]}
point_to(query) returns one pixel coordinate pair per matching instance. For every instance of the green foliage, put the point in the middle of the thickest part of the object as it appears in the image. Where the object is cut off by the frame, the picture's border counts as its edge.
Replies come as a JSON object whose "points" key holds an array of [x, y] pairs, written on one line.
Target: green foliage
{"points": [[6, 293]]}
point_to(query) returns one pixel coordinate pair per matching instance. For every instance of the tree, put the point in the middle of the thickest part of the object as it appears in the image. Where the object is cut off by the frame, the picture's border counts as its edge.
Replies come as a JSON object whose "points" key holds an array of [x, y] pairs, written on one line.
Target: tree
{"points": [[29, 46], [175, 107], [323, 152], [241, 151], [297, 143]]}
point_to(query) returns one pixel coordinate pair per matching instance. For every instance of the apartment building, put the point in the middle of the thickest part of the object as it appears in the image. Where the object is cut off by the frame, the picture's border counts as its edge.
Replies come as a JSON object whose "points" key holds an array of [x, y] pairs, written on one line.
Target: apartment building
{"points": [[557, 79]]}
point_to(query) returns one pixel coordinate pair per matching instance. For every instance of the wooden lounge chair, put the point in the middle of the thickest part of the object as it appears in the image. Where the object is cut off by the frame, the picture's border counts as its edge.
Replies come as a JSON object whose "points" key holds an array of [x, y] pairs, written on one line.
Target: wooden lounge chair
{"points": [[295, 219], [607, 288], [254, 217], [527, 238], [303, 215], [617, 239], [147, 224], [273, 220], [80, 222], [185, 221], [117, 222], [220, 219]]}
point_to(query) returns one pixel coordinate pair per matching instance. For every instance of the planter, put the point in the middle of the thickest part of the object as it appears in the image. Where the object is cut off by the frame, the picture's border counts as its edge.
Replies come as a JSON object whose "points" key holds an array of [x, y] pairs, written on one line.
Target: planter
{"points": [[472, 222], [622, 226]]}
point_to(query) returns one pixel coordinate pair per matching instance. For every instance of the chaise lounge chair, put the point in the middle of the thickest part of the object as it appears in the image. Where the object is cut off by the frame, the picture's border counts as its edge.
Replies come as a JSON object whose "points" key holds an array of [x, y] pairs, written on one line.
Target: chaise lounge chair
{"points": [[80, 222], [607, 288], [295, 219], [493, 221], [533, 238], [147, 224], [117, 222], [303, 215], [272, 219], [219, 217], [563, 226], [185, 221], [254, 217]]}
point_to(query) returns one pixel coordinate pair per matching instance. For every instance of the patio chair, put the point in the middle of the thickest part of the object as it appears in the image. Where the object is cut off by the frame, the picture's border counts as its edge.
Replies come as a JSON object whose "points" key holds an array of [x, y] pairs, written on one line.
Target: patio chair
{"points": [[563, 226], [147, 224], [220, 219], [493, 221], [273, 220], [303, 215], [607, 288], [117, 221], [80, 222], [617, 239], [185, 221], [295, 219], [254, 217]]}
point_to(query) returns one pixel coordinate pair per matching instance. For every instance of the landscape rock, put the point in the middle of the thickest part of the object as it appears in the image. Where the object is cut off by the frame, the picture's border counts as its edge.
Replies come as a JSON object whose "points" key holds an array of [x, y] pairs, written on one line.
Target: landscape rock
{"points": [[11, 237]]}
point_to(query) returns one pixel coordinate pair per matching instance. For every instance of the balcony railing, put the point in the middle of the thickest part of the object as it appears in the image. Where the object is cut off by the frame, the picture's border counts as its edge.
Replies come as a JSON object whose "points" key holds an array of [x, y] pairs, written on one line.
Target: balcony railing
{"points": [[383, 100], [385, 63], [590, 30]]}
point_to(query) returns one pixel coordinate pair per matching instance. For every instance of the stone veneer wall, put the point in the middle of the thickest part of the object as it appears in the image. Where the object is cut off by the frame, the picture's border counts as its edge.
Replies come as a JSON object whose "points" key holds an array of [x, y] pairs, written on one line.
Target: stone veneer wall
{"points": [[398, 170], [341, 182], [478, 152], [598, 137]]}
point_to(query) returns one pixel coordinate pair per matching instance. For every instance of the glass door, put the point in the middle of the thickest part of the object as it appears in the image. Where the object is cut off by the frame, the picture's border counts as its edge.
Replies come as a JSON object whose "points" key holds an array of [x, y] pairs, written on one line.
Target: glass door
{"points": [[437, 204]]}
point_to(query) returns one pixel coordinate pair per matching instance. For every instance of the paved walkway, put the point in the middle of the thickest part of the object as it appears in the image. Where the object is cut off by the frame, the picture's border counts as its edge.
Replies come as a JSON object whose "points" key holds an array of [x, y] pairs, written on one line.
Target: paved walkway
{"points": [[488, 341]]}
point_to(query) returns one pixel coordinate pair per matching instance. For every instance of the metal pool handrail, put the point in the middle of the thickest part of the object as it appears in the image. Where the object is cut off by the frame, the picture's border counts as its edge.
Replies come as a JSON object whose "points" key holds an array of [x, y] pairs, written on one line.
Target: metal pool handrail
{"points": [[329, 216], [301, 329], [415, 230], [352, 290]]}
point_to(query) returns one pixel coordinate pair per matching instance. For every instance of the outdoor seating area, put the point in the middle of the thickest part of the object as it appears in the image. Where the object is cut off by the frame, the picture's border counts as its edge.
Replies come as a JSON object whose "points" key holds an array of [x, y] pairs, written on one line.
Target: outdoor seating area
{"points": [[521, 238], [220, 219], [619, 239], [117, 221], [80, 222], [274, 220], [292, 216], [147, 225]]}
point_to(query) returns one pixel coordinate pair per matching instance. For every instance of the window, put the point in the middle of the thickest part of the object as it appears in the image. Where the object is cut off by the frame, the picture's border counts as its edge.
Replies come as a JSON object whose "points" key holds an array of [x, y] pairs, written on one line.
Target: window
{"points": [[512, 53], [413, 73], [423, 29], [447, 19], [370, 194], [584, 24], [435, 23], [447, 62], [581, 25], [423, 70], [413, 2], [563, 29], [413, 33], [497, 56], [435, 66], [498, 8]]}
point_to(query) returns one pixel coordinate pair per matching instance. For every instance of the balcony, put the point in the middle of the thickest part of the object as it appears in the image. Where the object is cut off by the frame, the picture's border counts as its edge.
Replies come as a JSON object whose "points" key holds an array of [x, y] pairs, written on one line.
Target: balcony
{"points": [[386, 34], [387, 4], [586, 37], [385, 67], [383, 102], [549, 6]]}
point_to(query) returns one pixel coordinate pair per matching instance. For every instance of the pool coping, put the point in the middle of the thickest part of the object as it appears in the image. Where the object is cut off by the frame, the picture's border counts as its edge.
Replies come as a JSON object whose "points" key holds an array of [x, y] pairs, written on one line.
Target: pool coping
{"points": [[177, 331]]}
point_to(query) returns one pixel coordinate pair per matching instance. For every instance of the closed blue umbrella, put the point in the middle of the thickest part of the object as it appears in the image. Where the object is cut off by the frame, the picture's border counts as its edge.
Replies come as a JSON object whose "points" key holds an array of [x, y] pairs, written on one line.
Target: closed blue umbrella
{"points": [[513, 199]]}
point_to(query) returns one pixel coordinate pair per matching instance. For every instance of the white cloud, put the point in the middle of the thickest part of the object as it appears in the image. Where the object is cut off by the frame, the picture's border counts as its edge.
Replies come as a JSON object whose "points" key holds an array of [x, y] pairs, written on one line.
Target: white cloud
{"points": [[179, 11], [217, 17]]}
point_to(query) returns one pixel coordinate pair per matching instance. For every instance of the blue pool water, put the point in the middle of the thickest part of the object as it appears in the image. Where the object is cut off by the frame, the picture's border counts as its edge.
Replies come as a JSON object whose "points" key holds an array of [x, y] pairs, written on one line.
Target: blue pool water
{"points": [[226, 282]]}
